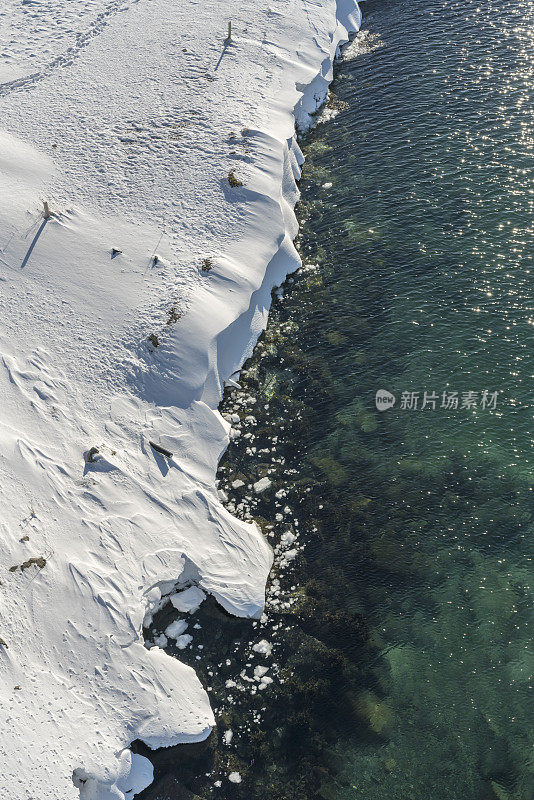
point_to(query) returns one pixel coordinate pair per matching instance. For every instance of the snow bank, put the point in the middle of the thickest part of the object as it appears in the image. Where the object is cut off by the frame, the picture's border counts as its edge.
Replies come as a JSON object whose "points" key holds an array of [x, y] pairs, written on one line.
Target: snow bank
{"points": [[128, 118]]}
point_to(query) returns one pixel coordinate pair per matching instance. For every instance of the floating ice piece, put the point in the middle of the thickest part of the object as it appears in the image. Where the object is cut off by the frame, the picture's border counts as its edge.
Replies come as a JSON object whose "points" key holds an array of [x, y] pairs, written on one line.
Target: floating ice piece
{"points": [[263, 647], [288, 556], [183, 640], [238, 484], [189, 600], [227, 736], [262, 485], [287, 538], [176, 628], [259, 672], [234, 777], [161, 641]]}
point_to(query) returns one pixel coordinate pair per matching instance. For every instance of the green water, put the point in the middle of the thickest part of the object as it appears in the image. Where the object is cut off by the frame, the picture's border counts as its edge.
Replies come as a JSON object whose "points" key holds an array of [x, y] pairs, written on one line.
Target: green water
{"points": [[402, 632], [424, 247]]}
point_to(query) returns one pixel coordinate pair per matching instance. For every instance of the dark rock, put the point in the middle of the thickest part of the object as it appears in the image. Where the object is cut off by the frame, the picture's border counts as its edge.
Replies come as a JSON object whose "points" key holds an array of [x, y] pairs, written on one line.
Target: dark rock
{"points": [[90, 456], [495, 762]]}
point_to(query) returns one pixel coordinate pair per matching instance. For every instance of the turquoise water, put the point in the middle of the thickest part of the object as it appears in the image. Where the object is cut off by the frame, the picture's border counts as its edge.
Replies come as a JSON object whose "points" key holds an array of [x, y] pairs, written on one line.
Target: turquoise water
{"points": [[424, 246], [402, 632]]}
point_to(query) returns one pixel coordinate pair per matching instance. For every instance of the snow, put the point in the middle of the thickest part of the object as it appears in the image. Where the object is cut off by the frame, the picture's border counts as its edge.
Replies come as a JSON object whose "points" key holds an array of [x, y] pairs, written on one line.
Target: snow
{"points": [[127, 117], [135, 773]]}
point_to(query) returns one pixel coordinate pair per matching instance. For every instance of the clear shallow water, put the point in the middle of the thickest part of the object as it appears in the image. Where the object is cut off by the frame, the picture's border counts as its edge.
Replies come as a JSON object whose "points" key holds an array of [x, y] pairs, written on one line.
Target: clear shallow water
{"points": [[424, 245], [402, 633]]}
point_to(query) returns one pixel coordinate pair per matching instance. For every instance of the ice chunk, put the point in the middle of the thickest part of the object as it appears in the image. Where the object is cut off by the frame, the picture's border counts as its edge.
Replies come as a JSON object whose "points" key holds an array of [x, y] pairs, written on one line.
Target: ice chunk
{"points": [[176, 628], [262, 485], [189, 600], [287, 538], [263, 647], [259, 672], [161, 640]]}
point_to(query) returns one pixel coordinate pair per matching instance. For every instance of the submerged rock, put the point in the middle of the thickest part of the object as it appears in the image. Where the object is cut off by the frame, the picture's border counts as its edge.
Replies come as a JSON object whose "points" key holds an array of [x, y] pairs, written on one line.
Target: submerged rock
{"points": [[376, 713], [334, 472]]}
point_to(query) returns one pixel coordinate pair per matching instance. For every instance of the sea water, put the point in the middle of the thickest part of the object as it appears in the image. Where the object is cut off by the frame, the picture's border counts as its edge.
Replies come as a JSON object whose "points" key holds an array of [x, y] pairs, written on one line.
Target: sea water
{"points": [[402, 628]]}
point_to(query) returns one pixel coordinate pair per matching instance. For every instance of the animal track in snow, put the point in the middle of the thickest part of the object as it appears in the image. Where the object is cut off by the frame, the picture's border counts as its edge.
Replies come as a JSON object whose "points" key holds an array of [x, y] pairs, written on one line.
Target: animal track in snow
{"points": [[30, 43]]}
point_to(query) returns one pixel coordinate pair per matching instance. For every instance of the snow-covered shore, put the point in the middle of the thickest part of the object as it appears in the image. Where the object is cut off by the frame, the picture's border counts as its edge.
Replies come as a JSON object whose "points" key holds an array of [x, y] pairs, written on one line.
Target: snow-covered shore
{"points": [[129, 117]]}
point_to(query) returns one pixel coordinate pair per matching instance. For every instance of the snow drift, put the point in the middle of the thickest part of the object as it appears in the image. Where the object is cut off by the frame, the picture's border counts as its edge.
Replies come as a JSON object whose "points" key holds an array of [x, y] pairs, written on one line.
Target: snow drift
{"points": [[149, 135]]}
